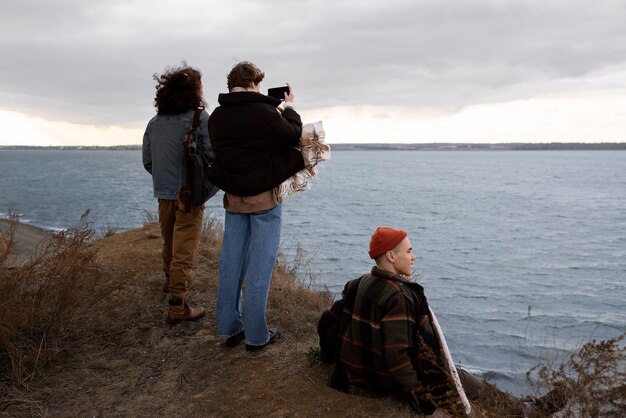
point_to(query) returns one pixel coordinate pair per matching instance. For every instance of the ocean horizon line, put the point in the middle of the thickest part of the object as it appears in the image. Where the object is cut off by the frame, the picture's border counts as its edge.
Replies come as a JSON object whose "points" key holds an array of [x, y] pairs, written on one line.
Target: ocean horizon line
{"points": [[391, 146]]}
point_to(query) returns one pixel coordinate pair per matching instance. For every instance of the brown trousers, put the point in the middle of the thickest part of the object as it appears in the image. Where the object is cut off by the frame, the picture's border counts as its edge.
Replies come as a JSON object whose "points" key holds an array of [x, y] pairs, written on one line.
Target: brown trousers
{"points": [[181, 235]]}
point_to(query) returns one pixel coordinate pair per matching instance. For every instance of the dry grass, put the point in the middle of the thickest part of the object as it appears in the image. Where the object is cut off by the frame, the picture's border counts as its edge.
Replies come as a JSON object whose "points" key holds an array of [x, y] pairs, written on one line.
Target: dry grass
{"points": [[593, 380], [44, 302], [49, 307]]}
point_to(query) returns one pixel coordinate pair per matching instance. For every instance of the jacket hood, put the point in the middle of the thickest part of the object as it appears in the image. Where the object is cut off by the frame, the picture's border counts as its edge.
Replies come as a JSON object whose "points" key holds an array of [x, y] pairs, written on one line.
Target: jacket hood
{"points": [[243, 97]]}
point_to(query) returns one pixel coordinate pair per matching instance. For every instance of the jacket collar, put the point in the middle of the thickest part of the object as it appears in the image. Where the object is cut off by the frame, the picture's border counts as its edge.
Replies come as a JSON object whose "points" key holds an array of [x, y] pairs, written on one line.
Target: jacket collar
{"points": [[387, 275], [243, 97]]}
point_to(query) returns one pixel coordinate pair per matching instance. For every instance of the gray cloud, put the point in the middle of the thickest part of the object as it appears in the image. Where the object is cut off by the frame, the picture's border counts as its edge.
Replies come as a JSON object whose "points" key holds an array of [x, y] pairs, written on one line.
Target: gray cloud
{"points": [[93, 63]]}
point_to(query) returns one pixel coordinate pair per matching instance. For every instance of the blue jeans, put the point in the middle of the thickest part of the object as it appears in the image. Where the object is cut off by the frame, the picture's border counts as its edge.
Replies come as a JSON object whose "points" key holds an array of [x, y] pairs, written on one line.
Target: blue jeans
{"points": [[249, 252]]}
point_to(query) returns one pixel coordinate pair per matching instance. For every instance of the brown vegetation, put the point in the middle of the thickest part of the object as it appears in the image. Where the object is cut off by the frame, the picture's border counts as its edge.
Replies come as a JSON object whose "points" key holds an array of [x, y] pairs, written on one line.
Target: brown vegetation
{"points": [[46, 304], [593, 379], [83, 333]]}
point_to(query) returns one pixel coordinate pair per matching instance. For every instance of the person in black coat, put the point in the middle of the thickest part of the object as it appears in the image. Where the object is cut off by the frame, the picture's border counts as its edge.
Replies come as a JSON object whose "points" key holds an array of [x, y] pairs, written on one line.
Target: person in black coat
{"points": [[255, 139]]}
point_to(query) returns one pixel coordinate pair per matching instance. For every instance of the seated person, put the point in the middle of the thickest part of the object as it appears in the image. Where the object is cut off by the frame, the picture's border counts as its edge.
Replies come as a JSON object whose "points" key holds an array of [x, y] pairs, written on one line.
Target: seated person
{"points": [[385, 340]]}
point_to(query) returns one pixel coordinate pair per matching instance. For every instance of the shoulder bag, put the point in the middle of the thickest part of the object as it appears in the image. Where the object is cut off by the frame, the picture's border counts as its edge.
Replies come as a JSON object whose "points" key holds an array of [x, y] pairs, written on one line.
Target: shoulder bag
{"points": [[196, 188]]}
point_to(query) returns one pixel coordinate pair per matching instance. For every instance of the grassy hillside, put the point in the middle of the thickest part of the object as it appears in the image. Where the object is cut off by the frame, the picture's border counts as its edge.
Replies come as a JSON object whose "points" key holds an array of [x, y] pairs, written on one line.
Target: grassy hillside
{"points": [[83, 333]]}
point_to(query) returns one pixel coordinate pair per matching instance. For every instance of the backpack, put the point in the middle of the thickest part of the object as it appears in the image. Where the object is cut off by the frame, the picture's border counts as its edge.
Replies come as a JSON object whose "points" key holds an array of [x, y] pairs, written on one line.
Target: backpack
{"points": [[196, 188]]}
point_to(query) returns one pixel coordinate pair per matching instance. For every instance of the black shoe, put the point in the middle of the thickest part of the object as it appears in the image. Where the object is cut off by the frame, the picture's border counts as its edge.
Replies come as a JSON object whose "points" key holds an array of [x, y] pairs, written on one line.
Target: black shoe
{"points": [[234, 340], [273, 335]]}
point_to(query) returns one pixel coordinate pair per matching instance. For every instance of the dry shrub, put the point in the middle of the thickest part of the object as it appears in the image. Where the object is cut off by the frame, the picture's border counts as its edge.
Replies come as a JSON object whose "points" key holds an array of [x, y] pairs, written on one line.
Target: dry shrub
{"points": [[210, 242], [590, 384], [295, 294], [593, 379], [212, 232], [299, 266], [48, 306]]}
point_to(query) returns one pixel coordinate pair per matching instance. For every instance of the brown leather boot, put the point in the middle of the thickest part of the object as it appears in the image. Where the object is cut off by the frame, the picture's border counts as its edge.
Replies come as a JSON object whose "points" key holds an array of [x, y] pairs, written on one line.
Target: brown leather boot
{"points": [[179, 311]]}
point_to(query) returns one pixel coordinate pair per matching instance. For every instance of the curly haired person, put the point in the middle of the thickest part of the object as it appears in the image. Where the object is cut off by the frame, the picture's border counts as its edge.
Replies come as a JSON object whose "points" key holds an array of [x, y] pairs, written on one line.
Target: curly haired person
{"points": [[178, 96]]}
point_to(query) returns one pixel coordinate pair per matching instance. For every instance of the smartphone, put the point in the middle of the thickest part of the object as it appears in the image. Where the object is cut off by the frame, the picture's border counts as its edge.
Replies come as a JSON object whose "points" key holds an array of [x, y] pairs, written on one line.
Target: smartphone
{"points": [[278, 92]]}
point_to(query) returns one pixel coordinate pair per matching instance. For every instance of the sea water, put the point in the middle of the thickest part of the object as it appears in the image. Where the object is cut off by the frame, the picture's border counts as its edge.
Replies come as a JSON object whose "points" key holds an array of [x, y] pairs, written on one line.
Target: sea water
{"points": [[522, 253]]}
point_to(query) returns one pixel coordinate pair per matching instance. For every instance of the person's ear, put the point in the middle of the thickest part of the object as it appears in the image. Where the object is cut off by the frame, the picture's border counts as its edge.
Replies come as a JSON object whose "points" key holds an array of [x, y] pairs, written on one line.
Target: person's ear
{"points": [[390, 256]]}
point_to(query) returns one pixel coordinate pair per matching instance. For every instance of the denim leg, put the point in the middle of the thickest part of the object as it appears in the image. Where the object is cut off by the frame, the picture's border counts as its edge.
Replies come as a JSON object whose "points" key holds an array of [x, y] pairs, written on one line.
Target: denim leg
{"points": [[231, 274], [262, 251]]}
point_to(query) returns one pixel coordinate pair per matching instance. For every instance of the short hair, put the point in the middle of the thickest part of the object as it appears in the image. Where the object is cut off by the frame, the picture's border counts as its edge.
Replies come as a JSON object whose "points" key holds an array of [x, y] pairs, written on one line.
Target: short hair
{"points": [[380, 258], [243, 74], [178, 90]]}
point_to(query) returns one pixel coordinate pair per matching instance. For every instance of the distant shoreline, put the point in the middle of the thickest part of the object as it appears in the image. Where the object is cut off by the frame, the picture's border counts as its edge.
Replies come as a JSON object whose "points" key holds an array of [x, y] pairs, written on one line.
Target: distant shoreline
{"points": [[510, 146]]}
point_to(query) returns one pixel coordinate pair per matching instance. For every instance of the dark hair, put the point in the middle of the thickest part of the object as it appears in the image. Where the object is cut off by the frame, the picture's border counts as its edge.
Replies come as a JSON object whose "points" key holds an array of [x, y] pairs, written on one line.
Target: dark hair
{"points": [[178, 90], [243, 74]]}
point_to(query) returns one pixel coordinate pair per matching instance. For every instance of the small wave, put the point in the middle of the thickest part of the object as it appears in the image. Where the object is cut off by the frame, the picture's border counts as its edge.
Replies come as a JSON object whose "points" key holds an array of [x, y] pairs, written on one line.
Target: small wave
{"points": [[460, 267], [477, 297], [594, 267], [487, 374], [596, 324], [528, 355]]}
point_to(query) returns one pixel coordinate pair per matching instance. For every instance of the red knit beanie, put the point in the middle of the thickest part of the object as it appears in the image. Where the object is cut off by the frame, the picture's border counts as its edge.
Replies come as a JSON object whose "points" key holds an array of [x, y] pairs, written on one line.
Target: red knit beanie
{"points": [[385, 239]]}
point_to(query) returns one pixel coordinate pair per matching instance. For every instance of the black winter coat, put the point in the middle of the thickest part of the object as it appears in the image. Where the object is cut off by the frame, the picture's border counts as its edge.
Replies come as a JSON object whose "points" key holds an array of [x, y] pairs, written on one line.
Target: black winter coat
{"points": [[255, 146]]}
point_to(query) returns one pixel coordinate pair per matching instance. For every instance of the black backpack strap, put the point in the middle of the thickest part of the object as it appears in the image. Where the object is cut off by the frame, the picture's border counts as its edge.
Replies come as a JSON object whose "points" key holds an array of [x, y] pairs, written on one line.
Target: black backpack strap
{"points": [[194, 125], [196, 119]]}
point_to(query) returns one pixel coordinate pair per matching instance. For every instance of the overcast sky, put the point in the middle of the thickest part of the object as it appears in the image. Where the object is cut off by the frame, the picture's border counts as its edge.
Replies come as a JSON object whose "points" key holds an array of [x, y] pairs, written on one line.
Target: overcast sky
{"points": [[79, 72]]}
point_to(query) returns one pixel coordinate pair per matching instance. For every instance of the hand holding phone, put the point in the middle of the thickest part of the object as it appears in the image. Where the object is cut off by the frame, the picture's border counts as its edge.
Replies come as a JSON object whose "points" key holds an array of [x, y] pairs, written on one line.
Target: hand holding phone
{"points": [[278, 92]]}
